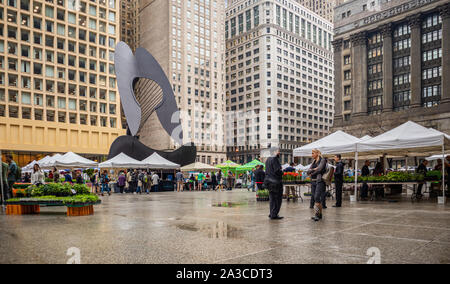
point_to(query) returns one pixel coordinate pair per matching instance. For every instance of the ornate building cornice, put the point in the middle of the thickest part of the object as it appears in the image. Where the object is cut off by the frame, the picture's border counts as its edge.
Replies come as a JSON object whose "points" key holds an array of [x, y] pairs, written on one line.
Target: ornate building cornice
{"points": [[359, 39], [444, 11], [337, 44], [386, 30], [415, 21]]}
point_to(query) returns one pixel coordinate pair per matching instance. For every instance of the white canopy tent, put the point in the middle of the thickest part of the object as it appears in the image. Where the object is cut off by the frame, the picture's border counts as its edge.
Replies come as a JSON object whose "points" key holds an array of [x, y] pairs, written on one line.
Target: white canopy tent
{"points": [[198, 167], [285, 166], [70, 160], [437, 157], [156, 162], [409, 139], [328, 145], [44, 163], [29, 168], [122, 161]]}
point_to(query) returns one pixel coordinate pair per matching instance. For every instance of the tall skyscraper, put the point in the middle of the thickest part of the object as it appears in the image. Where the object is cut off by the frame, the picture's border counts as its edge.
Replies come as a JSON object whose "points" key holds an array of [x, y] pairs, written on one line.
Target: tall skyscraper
{"points": [[57, 81], [187, 39], [129, 23], [279, 77], [324, 8]]}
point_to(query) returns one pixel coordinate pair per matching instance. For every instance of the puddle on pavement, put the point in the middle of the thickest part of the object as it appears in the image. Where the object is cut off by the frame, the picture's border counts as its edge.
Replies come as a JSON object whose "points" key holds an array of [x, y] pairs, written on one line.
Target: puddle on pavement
{"points": [[219, 230], [230, 204]]}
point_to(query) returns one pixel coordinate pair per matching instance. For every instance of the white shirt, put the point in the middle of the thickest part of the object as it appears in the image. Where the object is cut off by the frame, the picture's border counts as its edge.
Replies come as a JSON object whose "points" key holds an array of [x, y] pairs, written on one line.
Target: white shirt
{"points": [[155, 179], [37, 177]]}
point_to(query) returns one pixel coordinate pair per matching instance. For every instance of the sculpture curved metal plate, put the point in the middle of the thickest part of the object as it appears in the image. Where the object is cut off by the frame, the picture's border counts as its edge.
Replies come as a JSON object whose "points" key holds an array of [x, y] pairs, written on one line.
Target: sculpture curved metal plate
{"points": [[130, 67]]}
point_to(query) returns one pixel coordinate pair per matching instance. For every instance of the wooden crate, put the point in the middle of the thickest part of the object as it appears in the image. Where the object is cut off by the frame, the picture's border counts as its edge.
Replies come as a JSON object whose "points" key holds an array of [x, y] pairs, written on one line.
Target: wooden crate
{"points": [[80, 211], [22, 209]]}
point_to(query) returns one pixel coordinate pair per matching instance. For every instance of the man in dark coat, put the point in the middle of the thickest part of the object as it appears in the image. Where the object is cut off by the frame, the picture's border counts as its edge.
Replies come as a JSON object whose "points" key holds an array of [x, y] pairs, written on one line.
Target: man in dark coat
{"points": [[339, 179], [365, 172], [274, 183]]}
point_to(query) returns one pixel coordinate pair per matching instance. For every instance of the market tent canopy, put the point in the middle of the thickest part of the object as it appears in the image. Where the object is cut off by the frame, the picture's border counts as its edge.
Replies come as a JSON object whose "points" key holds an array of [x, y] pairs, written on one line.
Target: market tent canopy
{"points": [[437, 157], [228, 165], [156, 162], [29, 168], [328, 145], [198, 167], [71, 160], [122, 161], [250, 166], [45, 163], [408, 139], [367, 137], [285, 166]]}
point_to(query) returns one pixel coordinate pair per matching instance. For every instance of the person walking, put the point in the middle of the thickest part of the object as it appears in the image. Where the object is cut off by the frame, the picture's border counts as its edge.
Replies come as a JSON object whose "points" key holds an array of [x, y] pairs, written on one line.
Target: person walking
{"points": [[318, 187], [339, 179], [155, 182], [12, 175], [274, 182], [37, 177], [104, 180], [140, 185], [230, 179], [180, 181], [121, 181], [260, 176]]}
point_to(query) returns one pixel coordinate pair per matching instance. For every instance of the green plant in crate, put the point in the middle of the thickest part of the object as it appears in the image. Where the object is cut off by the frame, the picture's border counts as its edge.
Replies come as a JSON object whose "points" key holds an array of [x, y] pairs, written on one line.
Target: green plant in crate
{"points": [[434, 175]]}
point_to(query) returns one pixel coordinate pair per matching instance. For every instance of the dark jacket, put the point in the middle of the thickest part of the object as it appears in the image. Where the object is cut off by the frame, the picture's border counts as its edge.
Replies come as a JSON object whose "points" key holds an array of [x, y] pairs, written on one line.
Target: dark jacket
{"points": [[422, 169], [365, 171], [274, 172], [318, 169], [339, 173], [260, 175], [289, 170]]}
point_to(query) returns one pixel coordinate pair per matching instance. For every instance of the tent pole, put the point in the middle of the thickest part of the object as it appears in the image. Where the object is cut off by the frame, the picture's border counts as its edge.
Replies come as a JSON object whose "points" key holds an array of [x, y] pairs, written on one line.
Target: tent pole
{"points": [[443, 171], [1, 180], [356, 176]]}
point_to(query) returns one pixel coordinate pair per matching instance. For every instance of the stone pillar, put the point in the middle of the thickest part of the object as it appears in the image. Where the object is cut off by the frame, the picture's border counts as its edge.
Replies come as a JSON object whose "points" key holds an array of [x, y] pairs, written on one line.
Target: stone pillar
{"points": [[338, 93], [445, 14], [416, 61], [388, 87], [359, 74]]}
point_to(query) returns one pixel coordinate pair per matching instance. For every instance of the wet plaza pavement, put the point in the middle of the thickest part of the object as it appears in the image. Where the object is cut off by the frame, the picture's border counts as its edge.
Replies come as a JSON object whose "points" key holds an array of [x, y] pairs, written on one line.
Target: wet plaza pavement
{"points": [[231, 228]]}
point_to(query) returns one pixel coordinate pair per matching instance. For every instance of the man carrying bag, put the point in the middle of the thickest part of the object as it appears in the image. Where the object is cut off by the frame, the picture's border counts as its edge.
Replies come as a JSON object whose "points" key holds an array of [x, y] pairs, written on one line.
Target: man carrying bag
{"points": [[274, 183]]}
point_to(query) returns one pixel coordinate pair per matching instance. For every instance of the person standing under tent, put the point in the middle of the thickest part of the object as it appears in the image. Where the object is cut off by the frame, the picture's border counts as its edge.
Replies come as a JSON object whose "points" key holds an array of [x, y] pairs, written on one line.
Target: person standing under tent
{"points": [[140, 184], [104, 180], [155, 182], [55, 176], [230, 180], [422, 169], [200, 179], [67, 177], [121, 181], [180, 178], [339, 179], [37, 177], [219, 180], [4, 179], [12, 174], [93, 181], [79, 178], [365, 172], [318, 186], [213, 181], [274, 182]]}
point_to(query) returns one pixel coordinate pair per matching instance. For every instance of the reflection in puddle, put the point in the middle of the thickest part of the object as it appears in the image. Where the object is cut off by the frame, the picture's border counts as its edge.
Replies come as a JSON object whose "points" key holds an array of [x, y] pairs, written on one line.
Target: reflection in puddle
{"points": [[219, 230]]}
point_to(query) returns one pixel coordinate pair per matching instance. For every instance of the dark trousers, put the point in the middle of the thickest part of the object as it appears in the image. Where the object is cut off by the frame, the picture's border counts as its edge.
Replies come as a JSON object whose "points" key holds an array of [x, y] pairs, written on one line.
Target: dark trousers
{"points": [[364, 190], [9, 190], [276, 199], [339, 185], [5, 191], [121, 188], [313, 199]]}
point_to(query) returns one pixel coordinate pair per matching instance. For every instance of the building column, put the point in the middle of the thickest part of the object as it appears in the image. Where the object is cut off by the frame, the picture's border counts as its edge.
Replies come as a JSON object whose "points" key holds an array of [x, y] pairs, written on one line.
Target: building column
{"points": [[388, 74], [359, 74], [338, 94], [445, 15], [416, 61]]}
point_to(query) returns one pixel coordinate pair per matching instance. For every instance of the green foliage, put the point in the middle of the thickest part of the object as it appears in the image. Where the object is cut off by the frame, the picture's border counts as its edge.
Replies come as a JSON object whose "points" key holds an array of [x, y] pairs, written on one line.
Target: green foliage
{"points": [[89, 172], [262, 193], [434, 175], [21, 185], [71, 200], [59, 190]]}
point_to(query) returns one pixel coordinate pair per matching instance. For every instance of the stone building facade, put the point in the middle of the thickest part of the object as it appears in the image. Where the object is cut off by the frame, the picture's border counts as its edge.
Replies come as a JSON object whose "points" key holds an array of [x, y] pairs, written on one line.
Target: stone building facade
{"points": [[392, 61]]}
